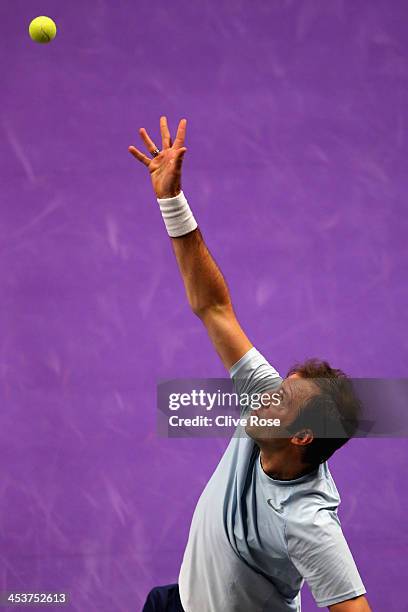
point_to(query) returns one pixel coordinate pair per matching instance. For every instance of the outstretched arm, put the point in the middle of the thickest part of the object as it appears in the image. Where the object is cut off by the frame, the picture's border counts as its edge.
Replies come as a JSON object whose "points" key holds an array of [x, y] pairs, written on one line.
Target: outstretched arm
{"points": [[209, 298], [205, 286]]}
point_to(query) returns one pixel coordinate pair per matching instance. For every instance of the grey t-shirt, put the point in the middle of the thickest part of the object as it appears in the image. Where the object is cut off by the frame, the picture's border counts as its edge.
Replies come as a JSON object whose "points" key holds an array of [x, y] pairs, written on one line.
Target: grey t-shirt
{"points": [[253, 539]]}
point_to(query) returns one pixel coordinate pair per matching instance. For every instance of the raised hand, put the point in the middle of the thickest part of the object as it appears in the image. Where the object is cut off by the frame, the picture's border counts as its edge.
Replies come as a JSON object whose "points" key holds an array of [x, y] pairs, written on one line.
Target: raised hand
{"points": [[165, 168]]}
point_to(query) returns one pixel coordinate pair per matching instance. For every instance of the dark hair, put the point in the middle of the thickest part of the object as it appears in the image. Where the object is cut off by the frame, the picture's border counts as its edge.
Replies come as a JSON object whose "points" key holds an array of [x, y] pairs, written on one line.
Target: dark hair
{"points": [[332, 415]]}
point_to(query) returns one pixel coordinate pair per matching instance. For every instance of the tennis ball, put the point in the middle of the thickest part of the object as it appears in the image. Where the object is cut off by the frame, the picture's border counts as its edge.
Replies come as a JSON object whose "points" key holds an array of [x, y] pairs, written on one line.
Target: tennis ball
{"points": [[42, 29]]}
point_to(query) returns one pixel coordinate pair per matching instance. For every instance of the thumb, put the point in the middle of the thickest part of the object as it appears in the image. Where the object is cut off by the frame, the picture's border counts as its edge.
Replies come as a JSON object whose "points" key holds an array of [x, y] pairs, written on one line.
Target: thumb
{"points": [[180, 155]]}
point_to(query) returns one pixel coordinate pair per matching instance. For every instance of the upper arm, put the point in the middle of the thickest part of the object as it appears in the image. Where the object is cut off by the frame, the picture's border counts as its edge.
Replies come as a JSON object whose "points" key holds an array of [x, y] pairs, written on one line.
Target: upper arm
{"points": [[226, 334], [248, 368], [319, 551], [358, 604]]}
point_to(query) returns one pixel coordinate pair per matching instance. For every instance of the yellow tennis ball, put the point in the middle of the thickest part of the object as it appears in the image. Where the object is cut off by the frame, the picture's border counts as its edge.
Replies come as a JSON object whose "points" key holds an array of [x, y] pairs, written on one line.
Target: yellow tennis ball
{"points": [[42, 29]]}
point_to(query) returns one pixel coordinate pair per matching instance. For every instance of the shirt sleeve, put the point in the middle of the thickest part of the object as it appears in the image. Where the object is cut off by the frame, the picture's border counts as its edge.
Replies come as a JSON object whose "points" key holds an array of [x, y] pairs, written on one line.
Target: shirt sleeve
{"points": [[254, 374], [320, 553]]}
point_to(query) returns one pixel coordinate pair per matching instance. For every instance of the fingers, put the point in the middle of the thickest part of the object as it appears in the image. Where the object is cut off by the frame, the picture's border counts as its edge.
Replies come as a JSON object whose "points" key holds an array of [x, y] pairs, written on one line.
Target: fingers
{"points": [[181, 133], [140, 156], [147, 140], [166, 138]]}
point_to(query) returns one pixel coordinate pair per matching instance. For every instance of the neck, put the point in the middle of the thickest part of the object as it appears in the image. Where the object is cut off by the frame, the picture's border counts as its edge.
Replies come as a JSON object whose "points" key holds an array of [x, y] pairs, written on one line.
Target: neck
{"points": [[282, 463]]}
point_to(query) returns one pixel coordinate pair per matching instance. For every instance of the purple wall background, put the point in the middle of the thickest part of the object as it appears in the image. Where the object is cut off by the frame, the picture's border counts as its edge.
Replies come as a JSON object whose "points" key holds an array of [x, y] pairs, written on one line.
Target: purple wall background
{"points": [[296, 171]]}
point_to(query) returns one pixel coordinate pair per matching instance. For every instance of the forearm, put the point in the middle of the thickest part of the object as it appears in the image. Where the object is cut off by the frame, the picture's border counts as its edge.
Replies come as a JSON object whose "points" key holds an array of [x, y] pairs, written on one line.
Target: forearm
{"points": [[203, 281], [206, 289]]}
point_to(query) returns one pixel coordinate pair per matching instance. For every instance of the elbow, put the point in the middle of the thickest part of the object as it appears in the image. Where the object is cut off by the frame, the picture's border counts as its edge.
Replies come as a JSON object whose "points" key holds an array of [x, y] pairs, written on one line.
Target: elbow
{"points": [[202, 311]]}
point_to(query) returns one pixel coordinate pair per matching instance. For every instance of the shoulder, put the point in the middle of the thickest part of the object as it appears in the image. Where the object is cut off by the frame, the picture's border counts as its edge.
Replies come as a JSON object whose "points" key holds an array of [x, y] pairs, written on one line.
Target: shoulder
{"points": [[253, 373], [312, 507], [250, 361]]}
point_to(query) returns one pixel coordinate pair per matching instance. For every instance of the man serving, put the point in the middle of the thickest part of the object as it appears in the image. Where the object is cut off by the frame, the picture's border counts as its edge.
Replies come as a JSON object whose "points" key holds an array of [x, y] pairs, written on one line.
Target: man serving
{"points": [[267, 520]]}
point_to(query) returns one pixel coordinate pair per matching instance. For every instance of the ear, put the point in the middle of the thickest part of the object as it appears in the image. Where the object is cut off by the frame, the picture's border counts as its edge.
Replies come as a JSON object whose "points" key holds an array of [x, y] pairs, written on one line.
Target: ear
{"points": [[302, 437]]}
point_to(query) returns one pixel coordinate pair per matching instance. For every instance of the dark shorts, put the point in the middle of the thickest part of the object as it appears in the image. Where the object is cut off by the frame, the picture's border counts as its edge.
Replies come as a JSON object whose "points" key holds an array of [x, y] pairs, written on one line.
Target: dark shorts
{"points": [[163, 599]]}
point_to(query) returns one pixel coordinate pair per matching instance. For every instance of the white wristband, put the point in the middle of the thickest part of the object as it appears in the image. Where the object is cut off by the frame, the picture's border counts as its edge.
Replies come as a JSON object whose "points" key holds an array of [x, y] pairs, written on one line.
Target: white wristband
{"points": [[177, 215]]}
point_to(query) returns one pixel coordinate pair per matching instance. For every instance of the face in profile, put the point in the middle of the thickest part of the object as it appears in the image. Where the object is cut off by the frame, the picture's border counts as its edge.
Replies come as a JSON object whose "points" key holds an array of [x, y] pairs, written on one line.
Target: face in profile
{"points": [[283, 405]]}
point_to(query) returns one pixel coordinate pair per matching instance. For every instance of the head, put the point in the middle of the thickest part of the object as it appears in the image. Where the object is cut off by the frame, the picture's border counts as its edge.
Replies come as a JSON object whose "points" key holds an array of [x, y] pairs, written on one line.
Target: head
{"points": [[318, 411]]}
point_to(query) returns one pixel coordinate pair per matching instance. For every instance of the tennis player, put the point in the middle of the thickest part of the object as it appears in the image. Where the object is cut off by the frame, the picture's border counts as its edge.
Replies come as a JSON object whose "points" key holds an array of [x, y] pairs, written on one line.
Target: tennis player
{"points": [[267, 520]]}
